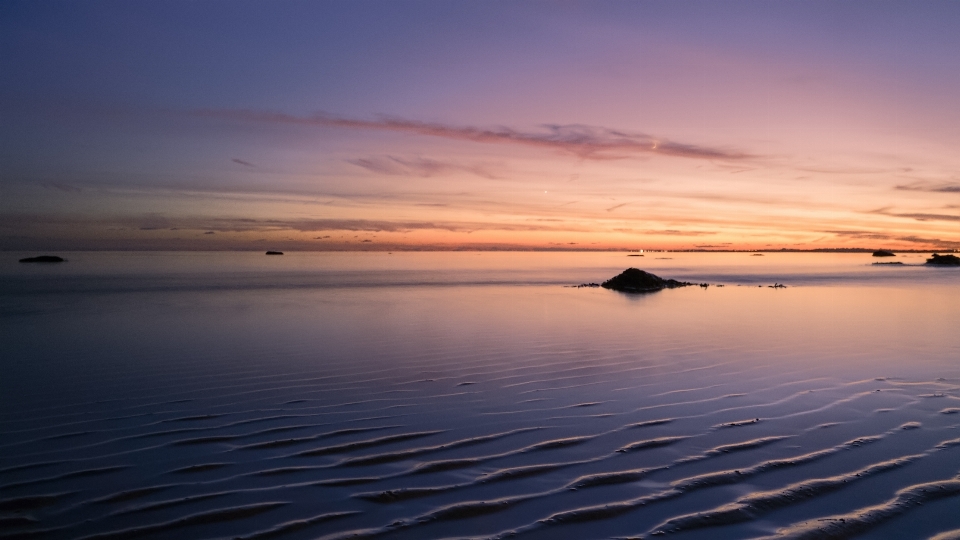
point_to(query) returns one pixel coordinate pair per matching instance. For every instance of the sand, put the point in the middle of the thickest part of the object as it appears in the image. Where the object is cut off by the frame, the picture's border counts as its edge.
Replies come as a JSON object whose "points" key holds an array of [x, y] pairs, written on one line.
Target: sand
{"points": [[192, 402]]}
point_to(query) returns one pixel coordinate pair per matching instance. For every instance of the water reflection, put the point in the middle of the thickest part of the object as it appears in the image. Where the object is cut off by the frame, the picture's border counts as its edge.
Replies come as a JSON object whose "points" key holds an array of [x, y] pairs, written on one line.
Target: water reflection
{"points": [[422, 395]]}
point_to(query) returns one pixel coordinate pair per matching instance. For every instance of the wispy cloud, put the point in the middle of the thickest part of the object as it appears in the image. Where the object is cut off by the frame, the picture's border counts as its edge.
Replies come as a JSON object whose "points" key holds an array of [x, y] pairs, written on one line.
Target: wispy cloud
{"points": [[848, 170], [366, 225], [66, 188], [930, 187], [248, 225], [586, 142], [667, 232], [673, 232], [864, 235], [242, 162], [870, 235], [919, 216], [153, 222], [928, 217], [423, 167], [614, 207], [945, 244]]}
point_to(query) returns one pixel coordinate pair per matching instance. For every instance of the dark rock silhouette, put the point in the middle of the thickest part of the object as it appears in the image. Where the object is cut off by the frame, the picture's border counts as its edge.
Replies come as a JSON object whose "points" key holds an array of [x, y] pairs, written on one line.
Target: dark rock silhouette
{"points": [[43, 259], [944, 260], [884, 253], [888, 263], [633, 280], [274, 253]]}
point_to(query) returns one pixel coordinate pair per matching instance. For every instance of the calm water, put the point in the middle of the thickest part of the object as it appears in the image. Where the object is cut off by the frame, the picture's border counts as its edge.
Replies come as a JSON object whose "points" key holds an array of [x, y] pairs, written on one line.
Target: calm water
{"points": [[452, 395]]}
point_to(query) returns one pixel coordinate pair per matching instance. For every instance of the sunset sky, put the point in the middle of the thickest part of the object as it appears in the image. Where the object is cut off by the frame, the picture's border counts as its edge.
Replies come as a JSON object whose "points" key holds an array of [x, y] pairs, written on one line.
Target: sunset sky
{"points": [[310, 125]]}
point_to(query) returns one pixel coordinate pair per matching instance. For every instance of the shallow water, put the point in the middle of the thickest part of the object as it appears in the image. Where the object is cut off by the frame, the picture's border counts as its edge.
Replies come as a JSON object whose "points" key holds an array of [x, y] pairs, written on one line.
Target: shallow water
{"points": [[450, 395]]}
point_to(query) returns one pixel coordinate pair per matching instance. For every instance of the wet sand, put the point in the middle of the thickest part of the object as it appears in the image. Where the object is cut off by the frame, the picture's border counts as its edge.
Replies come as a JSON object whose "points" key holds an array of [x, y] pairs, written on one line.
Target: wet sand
{"points": [[829, 409]]}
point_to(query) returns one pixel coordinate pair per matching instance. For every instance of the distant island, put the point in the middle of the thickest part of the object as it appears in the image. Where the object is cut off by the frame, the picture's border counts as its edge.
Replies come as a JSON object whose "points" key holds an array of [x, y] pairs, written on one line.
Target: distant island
{"points": [[274, 253], [633, 280], [43, 259], [944, 260], [884, 253]]}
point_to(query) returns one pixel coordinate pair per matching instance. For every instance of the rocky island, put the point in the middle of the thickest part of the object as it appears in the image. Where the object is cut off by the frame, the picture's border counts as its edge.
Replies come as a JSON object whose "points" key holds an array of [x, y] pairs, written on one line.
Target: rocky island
{"points": [[43, 259], [274, 253], [633, 280], [944, 260], [884, 253]]}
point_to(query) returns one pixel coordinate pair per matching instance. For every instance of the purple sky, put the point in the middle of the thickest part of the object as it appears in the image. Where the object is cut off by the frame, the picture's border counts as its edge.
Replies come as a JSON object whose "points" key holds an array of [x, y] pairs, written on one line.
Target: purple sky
{"points": [[319, 125]]}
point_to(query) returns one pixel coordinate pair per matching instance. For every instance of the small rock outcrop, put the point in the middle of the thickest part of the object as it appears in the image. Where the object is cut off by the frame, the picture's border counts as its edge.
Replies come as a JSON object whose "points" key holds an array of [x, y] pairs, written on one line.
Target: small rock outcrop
{"points": [[884, 253], [274, 253], [633, 280], [43, 259], [944, 260]]}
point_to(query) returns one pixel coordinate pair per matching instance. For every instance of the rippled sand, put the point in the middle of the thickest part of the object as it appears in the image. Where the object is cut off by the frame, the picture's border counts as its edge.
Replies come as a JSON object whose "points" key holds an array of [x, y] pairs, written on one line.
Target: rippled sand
{"points": [[830, 409]]}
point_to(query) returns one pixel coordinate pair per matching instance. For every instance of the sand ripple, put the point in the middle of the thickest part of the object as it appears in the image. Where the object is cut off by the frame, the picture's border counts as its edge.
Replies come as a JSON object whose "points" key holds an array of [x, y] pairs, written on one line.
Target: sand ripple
{"points": [[554, 443]]}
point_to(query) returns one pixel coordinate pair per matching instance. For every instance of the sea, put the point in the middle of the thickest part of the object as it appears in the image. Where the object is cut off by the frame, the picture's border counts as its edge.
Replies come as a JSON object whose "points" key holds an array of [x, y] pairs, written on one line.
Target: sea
{"points": [[429, 395]]}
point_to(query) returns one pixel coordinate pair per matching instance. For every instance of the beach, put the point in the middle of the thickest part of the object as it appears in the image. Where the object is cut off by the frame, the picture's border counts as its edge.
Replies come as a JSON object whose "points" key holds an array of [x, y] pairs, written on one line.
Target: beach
{"points": [[478, 395]]}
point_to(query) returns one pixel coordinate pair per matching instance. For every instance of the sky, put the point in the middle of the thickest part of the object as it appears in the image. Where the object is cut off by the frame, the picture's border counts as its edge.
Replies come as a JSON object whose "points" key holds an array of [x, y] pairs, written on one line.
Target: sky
{"points": [[329, 125]]}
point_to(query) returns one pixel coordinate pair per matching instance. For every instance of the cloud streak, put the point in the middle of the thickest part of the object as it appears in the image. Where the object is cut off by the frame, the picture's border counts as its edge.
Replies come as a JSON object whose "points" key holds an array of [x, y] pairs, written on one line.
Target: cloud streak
{"points": [[614, 207], [66, 188], [928, 187], [423, 167], [583, 141], [666, 232], [249, 225], [368, 225], [919, 216], [861, 235], [944, 244], [868, 235]]}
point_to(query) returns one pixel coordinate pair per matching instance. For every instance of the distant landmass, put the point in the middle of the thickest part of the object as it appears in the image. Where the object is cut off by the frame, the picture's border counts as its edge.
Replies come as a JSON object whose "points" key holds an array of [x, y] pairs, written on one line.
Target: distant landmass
{"points": [[633, 280], [944, 260], [43, 259]]}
